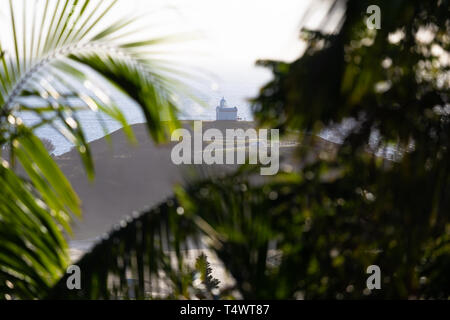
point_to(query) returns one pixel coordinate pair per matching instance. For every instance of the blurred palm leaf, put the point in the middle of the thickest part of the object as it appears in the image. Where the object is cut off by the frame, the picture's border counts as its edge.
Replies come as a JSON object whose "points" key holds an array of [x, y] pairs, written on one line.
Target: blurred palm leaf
{"points": [[312, 233], [142, 258], [54, 51], [286, 239]]}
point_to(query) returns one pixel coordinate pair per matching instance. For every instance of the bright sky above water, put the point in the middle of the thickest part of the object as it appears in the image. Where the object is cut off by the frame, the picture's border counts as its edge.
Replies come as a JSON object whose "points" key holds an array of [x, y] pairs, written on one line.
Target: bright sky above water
{"points": [[230, 36], [233, 35], [234, 30]]}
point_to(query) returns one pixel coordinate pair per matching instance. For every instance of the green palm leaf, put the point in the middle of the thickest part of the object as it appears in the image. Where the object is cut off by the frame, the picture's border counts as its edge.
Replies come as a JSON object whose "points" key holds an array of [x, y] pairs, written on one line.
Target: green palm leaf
{"points": [[58, 50], [312, 233]]}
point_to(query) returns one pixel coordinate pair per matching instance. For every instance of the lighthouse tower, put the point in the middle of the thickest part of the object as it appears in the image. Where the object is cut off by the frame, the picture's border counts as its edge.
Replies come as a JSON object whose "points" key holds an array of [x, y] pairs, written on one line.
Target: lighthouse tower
{"points": [[223, 112]]}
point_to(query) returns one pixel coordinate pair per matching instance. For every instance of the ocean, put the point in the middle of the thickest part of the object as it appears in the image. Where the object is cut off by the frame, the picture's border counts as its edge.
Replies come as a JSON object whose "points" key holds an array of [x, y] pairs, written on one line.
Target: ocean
{"points": [[94, 129]]}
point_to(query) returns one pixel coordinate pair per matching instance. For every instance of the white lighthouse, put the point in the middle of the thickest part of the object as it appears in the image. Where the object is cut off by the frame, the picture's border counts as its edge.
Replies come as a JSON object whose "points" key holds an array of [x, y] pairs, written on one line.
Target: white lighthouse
{"points": [[223, 112]]}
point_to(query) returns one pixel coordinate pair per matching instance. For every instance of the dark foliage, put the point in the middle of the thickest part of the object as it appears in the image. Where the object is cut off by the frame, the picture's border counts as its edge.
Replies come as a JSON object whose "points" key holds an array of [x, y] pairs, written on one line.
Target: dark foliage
{"points": [[312, 232]]}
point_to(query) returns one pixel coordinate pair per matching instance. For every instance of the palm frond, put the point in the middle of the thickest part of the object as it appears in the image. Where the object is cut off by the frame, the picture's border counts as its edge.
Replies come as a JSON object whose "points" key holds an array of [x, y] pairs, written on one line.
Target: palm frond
{"points": [[264, 237], [142, 259], [56, 50], [33, 214]]}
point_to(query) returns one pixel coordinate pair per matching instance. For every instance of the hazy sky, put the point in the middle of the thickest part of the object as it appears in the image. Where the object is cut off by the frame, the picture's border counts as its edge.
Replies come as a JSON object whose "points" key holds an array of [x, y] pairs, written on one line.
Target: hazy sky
{"points": [[230, 36], [233, 34], [235, 30]]}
